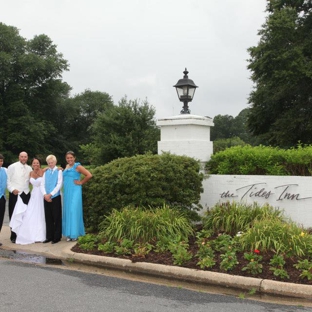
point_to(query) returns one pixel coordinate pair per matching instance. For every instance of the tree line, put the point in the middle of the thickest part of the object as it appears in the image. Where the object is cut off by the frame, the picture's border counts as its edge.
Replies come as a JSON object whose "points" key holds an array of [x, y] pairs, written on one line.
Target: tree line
{"points": [[39, 115]]}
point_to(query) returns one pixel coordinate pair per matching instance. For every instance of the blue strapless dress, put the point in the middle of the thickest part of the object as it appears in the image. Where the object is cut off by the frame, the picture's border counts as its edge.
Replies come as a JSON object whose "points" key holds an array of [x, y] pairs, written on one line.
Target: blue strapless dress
{"points": [[72, 223]]}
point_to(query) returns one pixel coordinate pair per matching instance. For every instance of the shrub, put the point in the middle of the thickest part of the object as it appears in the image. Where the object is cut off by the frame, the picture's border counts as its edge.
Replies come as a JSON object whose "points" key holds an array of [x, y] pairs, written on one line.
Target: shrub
{"points": [[249, 160], [142, 225], [142, 181], [235, 217], [262, 160], [298, 160]]}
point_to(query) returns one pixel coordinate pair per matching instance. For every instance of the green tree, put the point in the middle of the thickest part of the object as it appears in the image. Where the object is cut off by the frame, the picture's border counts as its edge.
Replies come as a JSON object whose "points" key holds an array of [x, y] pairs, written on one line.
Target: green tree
{"points": [[227, 127], [281, 66], [222, 128], [241, 130], [125, 130], [31, 91], [80, 112]]}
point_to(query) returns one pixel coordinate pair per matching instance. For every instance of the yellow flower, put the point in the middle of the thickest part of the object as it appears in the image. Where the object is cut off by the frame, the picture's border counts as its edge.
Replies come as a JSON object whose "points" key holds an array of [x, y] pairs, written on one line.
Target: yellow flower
{"points": [[252, 260], [302, 234]]}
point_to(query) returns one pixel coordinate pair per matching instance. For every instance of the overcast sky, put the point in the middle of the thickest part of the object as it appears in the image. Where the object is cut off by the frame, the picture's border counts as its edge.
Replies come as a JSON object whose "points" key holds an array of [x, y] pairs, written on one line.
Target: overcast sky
{"points": [[140, 48]]}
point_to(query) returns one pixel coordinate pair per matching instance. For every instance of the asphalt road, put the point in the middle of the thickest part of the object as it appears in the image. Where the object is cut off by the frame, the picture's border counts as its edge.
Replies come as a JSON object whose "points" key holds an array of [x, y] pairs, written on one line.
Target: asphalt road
{"points": [[29, 287]]}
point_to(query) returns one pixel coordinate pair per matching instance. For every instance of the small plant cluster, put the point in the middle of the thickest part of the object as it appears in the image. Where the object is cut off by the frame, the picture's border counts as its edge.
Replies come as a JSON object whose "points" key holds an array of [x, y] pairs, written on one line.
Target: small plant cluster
{"points": [[263, 241]]}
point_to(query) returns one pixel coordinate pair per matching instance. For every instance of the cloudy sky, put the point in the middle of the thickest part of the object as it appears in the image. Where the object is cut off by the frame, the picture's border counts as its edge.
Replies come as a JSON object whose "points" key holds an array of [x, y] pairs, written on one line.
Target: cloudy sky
{"points": [[140, 48]]}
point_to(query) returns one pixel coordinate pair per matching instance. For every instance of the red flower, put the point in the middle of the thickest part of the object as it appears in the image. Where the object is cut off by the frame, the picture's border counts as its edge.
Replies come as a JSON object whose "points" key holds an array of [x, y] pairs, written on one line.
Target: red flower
{"points": [[257, 251]]}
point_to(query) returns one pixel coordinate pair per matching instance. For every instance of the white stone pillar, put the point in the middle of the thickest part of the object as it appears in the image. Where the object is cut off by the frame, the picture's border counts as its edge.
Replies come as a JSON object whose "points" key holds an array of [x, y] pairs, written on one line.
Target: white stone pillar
{"points": [[187, 135]]}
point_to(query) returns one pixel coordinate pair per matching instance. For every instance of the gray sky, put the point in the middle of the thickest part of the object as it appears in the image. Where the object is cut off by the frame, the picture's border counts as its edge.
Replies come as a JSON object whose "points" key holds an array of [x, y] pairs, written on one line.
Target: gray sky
{"points": [[140, 48]]}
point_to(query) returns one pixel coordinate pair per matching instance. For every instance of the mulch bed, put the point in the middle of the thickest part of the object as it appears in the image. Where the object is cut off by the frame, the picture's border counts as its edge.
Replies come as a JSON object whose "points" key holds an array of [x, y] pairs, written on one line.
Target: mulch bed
{"points": [[166, 259]]}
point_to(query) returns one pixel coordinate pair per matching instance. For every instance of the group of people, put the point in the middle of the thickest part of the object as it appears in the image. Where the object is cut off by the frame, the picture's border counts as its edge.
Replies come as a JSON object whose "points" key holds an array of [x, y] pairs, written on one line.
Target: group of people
{"points": [[41, 215]]}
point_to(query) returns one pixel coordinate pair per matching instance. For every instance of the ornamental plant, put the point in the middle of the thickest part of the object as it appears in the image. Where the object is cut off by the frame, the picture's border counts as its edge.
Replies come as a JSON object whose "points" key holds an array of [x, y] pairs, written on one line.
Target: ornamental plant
{"points": [[305, 266], [254, 266], [206, 262], [146, 225], [142, 181], [138, 232], [229, 260], [205, 252], [124, 247], [234, 217], [277, 266], [180, 253], [281, 237], [88, 242]]}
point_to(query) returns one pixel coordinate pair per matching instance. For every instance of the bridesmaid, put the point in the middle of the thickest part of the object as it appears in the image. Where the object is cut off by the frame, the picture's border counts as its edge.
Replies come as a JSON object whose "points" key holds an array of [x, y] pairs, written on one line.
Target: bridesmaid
{"points": [[73, 225]]}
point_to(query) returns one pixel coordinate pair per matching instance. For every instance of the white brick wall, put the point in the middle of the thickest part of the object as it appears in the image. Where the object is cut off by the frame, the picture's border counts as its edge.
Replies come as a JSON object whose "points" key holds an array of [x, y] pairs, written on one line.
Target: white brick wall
{"points": [[200, 150], [292, 194], [187, 135]]}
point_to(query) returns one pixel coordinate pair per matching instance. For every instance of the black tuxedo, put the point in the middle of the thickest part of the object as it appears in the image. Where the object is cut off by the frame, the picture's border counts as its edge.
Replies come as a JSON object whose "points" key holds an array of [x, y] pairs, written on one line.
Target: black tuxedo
{"points": [[53, 218]]}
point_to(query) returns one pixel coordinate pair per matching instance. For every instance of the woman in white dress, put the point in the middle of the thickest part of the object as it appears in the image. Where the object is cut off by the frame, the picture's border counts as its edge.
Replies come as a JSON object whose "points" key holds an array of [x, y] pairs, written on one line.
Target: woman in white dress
{"points": [[28, 221]]}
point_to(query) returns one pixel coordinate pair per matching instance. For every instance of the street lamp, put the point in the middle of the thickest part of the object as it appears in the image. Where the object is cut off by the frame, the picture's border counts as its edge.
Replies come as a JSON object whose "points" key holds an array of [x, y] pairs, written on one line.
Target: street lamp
{"points": [[185, 89]]}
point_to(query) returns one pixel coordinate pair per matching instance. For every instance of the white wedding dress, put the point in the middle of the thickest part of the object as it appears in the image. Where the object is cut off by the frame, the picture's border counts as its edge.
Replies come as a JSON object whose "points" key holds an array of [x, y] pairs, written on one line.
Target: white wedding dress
{"points": [[28, 221]]}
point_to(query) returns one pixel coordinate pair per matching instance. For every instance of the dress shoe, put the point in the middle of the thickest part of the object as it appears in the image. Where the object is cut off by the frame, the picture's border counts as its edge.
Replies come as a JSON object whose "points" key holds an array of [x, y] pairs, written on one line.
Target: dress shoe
{"points": [[0, 244], [13, 240], [47, 241], [55, 241]]}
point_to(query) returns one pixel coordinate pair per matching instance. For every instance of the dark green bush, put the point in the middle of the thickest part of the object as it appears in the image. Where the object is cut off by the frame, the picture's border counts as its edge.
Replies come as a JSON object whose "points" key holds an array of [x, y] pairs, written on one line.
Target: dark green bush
{"points": [[262, 160], [142, 181]]}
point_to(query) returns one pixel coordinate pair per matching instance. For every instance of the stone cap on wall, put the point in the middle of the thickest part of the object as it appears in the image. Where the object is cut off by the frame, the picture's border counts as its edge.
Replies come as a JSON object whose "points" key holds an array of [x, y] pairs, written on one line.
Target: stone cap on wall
{"points": [[185, 119]]}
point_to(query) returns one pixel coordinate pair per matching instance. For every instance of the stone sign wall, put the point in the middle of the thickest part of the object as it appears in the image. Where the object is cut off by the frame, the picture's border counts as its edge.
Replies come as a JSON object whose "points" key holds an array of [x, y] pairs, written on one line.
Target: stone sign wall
{"points": [[292, 194]]}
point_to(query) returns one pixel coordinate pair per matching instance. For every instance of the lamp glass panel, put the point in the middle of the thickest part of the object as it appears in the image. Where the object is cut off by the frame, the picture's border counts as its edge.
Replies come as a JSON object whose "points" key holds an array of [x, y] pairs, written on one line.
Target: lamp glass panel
{"points": [[191, 92]]}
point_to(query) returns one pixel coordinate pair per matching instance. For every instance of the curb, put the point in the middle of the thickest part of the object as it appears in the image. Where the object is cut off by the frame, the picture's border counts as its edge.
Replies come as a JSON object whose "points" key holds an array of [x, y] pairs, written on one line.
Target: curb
{"points": [[63, 251], [261, 286]]}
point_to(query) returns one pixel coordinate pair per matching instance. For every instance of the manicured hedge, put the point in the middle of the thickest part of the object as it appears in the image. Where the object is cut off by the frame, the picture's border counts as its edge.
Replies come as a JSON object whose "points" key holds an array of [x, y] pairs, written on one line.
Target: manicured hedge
{"points": [[143, 180], [262, 160]]}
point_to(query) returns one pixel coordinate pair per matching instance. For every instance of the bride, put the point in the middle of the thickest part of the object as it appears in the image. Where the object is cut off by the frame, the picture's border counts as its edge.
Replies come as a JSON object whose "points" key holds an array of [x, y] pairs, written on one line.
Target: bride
{"points": [[28, 221]]}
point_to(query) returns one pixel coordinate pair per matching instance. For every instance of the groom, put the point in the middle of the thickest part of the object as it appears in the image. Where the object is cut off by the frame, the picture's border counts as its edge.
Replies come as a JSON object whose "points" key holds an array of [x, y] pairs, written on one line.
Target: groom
{"points": [[50, 188], [18, 184]]}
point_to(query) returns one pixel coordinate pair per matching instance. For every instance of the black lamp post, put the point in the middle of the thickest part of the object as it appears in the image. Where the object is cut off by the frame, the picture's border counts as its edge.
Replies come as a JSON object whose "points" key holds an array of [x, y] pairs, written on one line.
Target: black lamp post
{"points": [[185, 90]]}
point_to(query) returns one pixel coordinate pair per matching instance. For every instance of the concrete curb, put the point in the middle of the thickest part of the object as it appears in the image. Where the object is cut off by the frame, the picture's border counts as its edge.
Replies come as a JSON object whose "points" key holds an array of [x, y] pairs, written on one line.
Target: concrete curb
{"points": [[197, 276], [286, 289]]}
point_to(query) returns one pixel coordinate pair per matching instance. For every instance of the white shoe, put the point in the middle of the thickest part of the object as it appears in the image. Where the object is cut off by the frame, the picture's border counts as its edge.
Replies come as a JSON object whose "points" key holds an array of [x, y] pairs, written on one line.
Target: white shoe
{"points": [[68, 239]]}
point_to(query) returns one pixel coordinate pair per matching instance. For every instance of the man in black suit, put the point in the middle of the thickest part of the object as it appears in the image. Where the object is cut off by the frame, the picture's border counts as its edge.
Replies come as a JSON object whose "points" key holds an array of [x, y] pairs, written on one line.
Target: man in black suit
{"points": [[51, 185]]}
